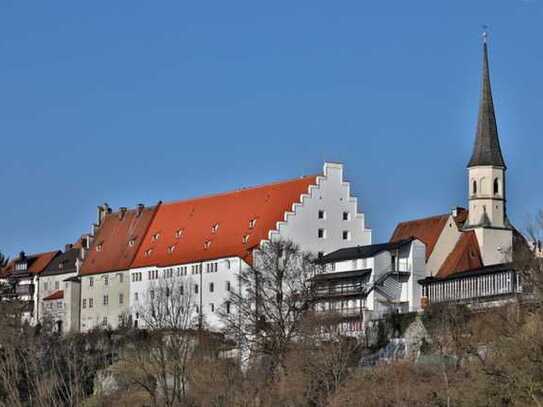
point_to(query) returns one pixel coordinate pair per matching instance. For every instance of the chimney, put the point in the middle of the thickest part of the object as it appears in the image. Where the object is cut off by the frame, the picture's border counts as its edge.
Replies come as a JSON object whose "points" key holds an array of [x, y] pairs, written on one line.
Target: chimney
{"points": [[103, 210], [122, 212], [140, 209], [22, 255]]}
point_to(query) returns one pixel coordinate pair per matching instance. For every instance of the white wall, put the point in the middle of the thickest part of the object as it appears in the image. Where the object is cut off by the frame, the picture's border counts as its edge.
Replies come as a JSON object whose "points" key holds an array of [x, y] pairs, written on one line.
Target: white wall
{"points": [[227, 271], [331, 195]]}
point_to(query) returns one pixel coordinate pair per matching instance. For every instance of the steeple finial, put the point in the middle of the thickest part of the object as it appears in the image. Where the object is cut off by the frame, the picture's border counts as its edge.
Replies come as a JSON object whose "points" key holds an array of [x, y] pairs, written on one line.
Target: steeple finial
{"points": [[485, 34], [487, 149]]}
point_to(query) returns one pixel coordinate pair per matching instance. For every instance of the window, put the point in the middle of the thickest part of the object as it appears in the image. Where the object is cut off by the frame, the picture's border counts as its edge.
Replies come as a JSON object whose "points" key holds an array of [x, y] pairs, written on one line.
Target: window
{"points": [[181, 290], [245, 239], [84, 305], [321, 214], [106, 280], [91, 282], [91, 302], [321, 233], [215, 228], [496, 186], [152, 294], [131, 243], [106, 300], [99, 247], [156, 236], [179, 234], [332, 266], [136, 297], [45, 286], [207, 244], [228, 307], [171, 249], [320, 255], [197, 309], [211, 287], [121, 277], [228, 286], [195, 288], [57, 285], [104, 322], [474, 187], [227, 263], [212, 307], [346, 235], [346, 216], [121, 298], [252, 223]]}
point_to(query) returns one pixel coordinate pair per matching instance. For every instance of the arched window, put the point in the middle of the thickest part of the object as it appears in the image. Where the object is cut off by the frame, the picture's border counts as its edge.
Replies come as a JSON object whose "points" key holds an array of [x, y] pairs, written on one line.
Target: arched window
{"points": [[474, 187], [496, 186]]}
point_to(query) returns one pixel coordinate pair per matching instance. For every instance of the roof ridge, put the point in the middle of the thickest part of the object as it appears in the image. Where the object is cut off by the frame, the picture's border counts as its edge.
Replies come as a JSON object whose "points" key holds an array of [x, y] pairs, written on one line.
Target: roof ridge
{"points": [[243, 189]]}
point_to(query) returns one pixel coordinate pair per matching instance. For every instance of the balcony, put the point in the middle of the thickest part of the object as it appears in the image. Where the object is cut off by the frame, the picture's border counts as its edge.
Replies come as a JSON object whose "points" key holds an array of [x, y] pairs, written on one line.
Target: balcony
{"points": [[24, 290]]}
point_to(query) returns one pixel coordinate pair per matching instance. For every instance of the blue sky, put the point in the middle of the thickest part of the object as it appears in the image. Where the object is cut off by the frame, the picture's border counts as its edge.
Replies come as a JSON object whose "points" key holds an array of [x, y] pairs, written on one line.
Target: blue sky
{"points": [[140, 101]]}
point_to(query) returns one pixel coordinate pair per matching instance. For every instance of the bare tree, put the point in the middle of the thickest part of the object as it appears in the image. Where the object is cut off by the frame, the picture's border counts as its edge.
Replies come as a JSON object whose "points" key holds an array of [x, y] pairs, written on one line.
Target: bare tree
{"points": [[273, 298], [157, 360]]}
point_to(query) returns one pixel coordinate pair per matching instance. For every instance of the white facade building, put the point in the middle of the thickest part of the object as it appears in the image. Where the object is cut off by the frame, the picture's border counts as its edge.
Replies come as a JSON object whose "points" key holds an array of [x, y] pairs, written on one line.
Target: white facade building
{"points": [[363, 283], [207, 241]]}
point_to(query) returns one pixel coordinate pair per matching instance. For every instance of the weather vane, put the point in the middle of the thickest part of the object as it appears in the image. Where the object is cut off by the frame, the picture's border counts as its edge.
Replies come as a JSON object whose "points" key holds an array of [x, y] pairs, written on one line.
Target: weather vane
{"points": [[485, 33]]}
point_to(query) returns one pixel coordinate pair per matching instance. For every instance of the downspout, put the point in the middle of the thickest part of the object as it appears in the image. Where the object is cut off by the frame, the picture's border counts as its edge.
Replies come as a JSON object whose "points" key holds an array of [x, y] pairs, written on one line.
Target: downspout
{"points": [[201, 314]]}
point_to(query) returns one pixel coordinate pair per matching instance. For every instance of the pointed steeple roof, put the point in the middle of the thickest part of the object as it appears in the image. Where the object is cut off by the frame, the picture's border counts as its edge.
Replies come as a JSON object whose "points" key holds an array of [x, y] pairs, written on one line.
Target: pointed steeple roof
{"points": [[487, 149]]}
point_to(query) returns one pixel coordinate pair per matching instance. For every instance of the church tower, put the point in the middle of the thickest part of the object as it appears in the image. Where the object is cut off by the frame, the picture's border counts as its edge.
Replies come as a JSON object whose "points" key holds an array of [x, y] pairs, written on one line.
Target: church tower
{"points": [[487, 181]]}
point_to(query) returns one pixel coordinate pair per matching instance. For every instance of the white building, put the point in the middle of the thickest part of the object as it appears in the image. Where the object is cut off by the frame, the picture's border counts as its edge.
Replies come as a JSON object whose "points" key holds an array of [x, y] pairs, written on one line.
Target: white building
{"points": [[207, 241], [363, 283]]}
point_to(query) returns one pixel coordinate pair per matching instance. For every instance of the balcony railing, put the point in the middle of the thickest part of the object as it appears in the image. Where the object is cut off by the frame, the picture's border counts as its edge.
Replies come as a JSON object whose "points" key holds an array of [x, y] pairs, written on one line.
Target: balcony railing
{"points": [[482, 287]]}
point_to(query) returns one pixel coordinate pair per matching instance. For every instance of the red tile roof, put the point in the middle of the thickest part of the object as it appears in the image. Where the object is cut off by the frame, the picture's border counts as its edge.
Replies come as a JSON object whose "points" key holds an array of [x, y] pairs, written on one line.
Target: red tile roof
{"points": [[57, 295], [465, 256], [426, 230], [41, 261], [117, 241], [223, 225]]}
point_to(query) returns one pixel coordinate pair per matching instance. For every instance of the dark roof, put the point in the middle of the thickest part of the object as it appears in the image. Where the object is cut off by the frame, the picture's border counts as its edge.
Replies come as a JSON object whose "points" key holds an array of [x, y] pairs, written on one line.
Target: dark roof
{"points": [[342, 275], [495, 268], [487, 149], [363, 252], [63, 263]]}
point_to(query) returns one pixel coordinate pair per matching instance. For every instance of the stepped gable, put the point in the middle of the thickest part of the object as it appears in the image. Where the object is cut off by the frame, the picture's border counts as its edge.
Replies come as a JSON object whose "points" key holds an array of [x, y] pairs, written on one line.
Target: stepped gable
{"points": [[225, 225], [117, 240]]}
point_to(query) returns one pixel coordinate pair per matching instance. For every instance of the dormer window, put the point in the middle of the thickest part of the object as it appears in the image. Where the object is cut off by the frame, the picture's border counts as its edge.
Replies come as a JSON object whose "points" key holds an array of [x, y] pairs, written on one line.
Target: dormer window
{"points": [[215, 228], [131, 242], [60, 266], [245, 239], [252, 223], [148, 252], [179, 234], [207, 244], [171, 249], [99, 247], [156, 236]]}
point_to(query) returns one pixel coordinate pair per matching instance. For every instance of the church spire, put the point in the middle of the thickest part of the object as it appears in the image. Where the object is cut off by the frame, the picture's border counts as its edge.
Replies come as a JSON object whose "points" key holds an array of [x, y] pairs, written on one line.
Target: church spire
{"points": [[487, 149]]}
